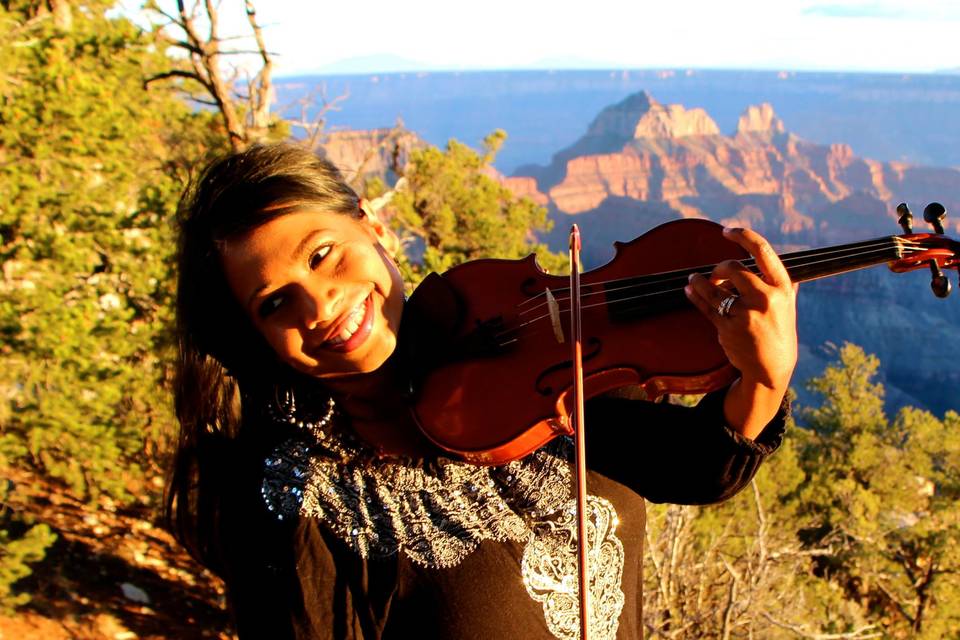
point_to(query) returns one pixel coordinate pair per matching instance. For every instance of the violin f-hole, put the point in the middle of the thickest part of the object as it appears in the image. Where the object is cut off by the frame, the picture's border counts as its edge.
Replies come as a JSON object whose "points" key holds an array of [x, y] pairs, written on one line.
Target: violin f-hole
{"points": [[592, 348]]}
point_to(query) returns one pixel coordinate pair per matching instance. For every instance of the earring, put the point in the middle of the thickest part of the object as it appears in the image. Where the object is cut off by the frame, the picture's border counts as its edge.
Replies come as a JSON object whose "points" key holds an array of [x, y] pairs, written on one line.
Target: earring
{"points": [[284, 409]]}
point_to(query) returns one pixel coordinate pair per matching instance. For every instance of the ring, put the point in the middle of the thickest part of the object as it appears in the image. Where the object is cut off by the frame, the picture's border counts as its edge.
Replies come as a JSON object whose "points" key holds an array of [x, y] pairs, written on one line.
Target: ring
{"points": [[723, 309]]}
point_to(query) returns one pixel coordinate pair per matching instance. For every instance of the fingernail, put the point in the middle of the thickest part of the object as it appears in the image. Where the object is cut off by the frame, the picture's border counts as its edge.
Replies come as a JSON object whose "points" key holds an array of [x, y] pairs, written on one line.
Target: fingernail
{"points": [[687, 289], [690, 277]]}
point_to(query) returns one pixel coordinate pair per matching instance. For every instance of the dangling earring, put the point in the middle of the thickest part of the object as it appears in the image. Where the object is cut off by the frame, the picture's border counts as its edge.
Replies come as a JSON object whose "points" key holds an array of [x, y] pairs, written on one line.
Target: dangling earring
{"points": [[284, 409]]}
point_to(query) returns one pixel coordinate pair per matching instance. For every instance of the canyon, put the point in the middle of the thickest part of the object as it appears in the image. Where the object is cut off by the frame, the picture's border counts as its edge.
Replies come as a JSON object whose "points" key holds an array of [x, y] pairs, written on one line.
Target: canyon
{"points": [[641, 163]]}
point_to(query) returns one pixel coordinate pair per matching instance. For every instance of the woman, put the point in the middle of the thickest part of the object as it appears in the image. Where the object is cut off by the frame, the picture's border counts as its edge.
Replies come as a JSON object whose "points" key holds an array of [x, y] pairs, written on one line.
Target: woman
{"points": [[302, 481]]}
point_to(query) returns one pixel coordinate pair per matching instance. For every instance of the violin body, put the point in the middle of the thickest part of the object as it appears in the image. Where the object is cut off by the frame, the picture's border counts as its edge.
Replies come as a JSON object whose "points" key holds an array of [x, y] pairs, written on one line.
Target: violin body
{"points": [[512, 394]]}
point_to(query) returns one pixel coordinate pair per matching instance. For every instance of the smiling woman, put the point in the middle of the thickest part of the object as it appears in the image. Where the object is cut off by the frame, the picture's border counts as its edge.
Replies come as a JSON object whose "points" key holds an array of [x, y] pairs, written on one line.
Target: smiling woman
{"points": [[321, 288], [302, 479]]}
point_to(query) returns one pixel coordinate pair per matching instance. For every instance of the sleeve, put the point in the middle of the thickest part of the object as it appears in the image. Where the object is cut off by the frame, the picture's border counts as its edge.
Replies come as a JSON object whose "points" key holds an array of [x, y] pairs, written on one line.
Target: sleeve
{"points": [[672, 453]]}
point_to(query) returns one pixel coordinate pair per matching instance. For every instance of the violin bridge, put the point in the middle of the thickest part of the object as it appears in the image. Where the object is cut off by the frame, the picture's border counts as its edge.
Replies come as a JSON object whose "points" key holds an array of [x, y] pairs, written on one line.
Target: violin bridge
{"points": [[554, 310]]}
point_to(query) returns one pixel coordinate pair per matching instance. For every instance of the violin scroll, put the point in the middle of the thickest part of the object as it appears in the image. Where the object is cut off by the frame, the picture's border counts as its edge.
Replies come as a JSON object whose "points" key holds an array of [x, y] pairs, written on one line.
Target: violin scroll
{"points": [[934, 251]]}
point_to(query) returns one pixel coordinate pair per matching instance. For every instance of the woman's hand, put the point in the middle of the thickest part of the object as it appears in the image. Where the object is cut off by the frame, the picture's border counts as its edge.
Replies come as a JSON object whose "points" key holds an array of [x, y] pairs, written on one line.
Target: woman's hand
{"points": [[757, 329]]}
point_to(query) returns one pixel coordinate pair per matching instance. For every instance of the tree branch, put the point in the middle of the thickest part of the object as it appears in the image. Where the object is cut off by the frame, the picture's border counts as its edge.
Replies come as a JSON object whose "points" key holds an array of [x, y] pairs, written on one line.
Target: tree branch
{"points": [[856, 634], [174, 73]]}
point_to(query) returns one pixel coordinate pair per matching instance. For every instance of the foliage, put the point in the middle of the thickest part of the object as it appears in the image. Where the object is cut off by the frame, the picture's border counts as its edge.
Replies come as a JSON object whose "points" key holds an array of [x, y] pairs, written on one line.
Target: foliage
{"points": [[18, 552], [850, 531], [885, 496], [90, 170], [737, 570], [454, 209]]}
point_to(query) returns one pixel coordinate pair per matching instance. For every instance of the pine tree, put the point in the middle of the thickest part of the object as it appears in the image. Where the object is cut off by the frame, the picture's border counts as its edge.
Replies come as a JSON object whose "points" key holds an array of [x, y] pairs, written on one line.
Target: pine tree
{"points": [[885, 497], [453, 209], [91, 166]]}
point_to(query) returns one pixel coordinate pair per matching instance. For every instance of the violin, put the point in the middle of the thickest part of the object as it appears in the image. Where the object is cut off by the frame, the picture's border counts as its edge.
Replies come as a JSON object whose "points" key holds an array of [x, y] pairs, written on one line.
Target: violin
{"points": [[489, 340]]}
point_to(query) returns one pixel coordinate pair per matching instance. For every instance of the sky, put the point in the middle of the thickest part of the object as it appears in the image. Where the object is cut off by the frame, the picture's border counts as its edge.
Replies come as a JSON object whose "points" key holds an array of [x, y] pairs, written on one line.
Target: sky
{"points": [[373, 36]]}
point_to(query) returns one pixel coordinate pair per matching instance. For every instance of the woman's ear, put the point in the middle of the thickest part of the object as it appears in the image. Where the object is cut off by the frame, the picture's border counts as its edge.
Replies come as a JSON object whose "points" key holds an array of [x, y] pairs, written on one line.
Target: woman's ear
{"points": [[384, 234]]}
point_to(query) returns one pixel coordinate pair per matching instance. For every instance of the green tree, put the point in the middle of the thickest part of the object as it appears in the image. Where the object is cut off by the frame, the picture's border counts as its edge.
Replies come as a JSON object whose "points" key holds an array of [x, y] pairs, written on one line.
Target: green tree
{"points": [[884, 496], [91, 166], [454, 209], [738, 569], [18, 550]]}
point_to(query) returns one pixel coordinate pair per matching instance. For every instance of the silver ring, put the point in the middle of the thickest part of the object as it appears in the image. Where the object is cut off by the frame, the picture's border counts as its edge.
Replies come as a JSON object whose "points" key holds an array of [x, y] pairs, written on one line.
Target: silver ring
{"points": [[723, 309]]}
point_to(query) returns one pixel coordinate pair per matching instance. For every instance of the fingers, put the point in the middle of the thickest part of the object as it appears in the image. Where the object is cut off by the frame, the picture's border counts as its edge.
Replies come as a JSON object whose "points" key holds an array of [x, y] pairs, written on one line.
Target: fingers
{"points": [[708, 297], [737, 275], [774, 273]]}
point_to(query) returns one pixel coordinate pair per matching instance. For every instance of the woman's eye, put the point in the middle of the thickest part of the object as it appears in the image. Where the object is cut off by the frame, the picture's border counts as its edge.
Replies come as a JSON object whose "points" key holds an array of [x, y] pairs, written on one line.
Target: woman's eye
{"points": [[269, 305], [319, 255]]}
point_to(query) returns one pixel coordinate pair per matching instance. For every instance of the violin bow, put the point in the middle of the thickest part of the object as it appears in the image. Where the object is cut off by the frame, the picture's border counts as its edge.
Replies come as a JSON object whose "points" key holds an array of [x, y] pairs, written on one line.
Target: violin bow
{"points": [[579, 432]]}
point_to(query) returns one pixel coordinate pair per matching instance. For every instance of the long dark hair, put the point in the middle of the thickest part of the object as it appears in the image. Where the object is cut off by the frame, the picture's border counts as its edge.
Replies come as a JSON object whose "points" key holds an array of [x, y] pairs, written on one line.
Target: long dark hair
{"points": [[222, 358]]}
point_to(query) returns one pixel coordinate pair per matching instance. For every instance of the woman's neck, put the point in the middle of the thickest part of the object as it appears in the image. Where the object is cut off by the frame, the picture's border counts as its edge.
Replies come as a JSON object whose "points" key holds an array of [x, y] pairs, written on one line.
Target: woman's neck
{"points": [[369, 394], [378, 404]]}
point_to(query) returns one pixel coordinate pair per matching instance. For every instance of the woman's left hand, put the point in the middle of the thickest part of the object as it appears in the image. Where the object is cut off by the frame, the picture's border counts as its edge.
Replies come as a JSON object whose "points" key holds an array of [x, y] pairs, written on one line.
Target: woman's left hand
{"points": [[757, 329]]}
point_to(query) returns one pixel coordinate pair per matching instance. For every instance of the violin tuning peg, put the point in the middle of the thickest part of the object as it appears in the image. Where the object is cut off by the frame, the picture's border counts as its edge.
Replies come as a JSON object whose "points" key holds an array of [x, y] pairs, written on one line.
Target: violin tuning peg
{"points": [[939, 282], [933, 214], [906, 218]]}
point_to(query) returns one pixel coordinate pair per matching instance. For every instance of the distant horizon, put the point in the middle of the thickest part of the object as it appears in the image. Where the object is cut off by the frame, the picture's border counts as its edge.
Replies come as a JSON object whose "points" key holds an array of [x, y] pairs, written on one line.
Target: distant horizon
{"points": [[335, 69], [845, 36]]}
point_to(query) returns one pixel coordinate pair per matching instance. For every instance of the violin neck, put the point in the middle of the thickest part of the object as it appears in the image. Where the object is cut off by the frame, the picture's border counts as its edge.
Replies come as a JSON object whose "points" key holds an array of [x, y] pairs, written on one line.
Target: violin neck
{"points": [[813, 264], [632, 298]]}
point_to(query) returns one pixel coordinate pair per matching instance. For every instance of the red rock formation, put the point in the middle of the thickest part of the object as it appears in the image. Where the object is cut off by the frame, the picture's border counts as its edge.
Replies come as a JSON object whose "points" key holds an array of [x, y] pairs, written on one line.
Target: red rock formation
{"points": [[759, 119], [591, 179], [640, 116], [524, 187], [796, 191], [360, 153]]}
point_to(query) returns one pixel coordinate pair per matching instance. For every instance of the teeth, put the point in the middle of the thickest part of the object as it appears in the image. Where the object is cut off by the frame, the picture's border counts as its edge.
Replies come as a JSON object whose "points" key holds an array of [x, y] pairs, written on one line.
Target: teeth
{"points": [[350, 326]]}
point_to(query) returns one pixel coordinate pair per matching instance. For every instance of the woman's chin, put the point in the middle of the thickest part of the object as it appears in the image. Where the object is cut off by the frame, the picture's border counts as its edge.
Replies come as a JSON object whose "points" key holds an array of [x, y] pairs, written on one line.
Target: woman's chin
{"points": [[349, 371]]}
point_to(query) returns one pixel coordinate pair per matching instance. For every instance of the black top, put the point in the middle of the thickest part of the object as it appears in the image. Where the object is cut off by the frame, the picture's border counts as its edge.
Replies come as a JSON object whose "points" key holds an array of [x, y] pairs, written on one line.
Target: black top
{"points": [[322, 541]]}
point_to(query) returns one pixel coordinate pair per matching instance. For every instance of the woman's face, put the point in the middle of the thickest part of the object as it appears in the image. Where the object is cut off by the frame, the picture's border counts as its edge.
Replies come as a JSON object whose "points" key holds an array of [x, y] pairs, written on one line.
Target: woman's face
{"points": [[321, 289]]}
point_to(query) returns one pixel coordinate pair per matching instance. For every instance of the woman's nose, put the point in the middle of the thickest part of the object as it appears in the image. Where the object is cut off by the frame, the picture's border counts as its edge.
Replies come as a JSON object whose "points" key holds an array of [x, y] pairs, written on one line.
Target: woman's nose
{"points": [[321, 306]]}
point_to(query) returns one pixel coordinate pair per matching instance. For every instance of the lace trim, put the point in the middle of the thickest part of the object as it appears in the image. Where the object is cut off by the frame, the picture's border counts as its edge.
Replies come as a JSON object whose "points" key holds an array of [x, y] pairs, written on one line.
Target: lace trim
{"points": [[438, 514], [550, 572], [435, 515]]}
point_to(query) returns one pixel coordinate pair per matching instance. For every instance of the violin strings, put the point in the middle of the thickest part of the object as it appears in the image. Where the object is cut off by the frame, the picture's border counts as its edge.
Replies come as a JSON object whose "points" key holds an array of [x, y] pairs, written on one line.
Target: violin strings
{"points": [[682, 275], [677, 289], [751, 267], [788, 260]]}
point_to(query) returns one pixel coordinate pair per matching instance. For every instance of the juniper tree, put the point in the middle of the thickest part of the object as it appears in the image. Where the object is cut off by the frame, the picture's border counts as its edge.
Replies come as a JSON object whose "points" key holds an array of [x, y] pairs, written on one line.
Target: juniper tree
{"points": [[91, 166], [884, 495], [454, 209]]}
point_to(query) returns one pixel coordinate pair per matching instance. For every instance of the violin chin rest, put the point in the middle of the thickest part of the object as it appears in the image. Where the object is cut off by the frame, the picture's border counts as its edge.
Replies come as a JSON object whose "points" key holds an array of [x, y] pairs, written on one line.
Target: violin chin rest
{"points": [[434, 308], [431, 319]]}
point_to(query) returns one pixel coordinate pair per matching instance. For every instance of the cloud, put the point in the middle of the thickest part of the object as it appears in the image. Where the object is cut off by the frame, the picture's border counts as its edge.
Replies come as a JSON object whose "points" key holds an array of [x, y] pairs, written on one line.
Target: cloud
{"points": [[884, 10]]}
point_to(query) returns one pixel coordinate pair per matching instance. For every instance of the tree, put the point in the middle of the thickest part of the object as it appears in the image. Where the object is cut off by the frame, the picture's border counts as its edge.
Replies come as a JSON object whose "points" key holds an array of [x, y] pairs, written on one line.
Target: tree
{"points": [[885, 497], [738, 570], [453, 209], [243, 107], [91, 167], [850, 531]]}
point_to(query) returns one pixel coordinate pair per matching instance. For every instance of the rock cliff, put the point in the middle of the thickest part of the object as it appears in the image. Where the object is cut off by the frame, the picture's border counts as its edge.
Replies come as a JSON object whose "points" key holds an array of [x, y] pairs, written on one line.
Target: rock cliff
{"points": [[641, 163], [795, 191], [362, 153]]}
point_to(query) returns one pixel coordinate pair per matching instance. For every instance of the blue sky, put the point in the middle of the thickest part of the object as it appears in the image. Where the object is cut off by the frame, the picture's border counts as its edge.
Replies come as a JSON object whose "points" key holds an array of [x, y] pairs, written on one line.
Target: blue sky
{"points": [[377, 35]]}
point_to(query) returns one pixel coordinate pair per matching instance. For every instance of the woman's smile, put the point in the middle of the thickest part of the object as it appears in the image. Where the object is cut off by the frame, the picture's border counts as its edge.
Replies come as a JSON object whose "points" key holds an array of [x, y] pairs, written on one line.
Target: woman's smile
{"points": [[350, 333]]}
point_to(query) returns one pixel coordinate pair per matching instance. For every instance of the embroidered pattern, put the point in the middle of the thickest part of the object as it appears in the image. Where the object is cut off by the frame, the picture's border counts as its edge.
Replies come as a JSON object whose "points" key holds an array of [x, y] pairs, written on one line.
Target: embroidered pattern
{"points": [[550, 572], [437, 513]]}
